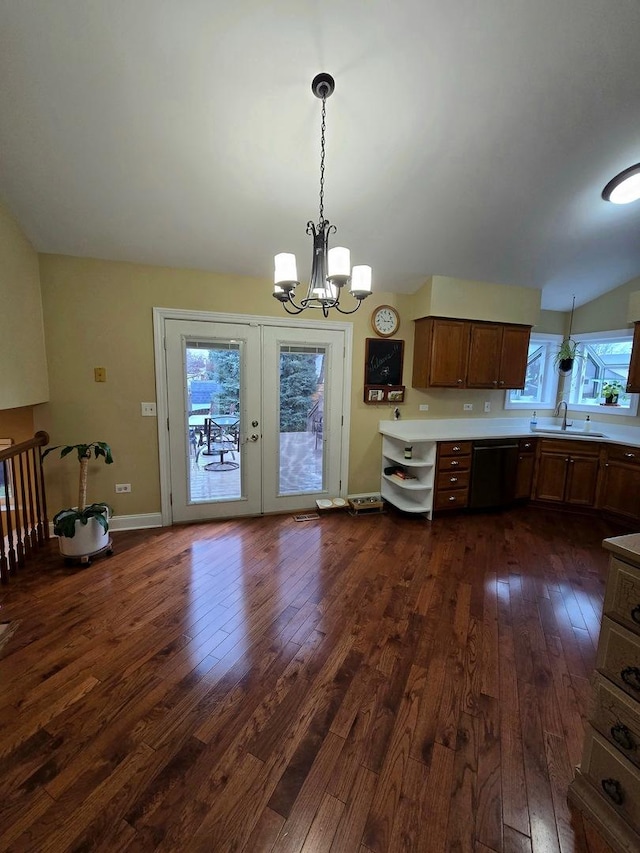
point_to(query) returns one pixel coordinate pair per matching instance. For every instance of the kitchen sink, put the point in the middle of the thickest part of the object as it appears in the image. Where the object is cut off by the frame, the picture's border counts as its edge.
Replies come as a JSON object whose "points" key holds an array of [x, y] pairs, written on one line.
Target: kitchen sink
{"points": [[556, 430]]}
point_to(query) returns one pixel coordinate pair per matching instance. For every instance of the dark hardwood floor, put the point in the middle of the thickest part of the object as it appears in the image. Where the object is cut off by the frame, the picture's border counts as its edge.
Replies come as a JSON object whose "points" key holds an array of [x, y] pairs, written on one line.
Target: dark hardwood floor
{"points": [[355, 685]]}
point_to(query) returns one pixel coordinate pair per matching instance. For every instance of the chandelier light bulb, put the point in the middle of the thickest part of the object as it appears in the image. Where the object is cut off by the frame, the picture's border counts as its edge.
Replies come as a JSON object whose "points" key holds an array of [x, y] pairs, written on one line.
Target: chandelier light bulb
{"points": [[339, 265], [286, 271], [361, 281]]}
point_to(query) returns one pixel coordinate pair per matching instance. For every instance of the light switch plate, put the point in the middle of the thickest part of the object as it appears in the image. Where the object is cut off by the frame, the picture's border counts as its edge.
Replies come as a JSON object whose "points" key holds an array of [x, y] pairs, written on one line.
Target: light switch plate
{"points": [[468, 407], [148, 410]]}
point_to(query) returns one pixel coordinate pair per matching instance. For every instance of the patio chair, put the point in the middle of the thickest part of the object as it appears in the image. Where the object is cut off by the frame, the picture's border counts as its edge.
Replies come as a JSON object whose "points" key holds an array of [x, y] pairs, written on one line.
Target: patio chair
{"points": [[223, 439]]}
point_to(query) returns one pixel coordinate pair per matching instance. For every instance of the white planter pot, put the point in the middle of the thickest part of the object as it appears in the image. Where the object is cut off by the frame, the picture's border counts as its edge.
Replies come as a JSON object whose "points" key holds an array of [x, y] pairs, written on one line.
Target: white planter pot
{"points": [[90, 538]]}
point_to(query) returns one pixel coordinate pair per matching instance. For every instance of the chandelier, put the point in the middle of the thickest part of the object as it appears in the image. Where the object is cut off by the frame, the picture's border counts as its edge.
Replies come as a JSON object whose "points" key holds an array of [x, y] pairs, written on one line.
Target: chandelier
{"points": [[330, 268]]}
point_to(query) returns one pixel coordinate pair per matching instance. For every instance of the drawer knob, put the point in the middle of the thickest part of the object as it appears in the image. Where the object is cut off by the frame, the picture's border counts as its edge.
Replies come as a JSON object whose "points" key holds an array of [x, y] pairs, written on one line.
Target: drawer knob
{"points": [[631, 676], [456, 447], [451, 498], [455, 480], [623, 736], [630, 455], [454, 462], [635, 614], [613, 789]]}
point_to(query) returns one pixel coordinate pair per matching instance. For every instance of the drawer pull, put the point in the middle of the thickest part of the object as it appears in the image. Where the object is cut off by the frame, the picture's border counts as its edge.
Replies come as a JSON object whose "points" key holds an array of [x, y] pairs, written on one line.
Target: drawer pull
{"points": [[613, 789], [451, 498], [635, 614], [630, 455], [527, 445], [455, 480], [631, 676], [623, 736], [455, 448], [454, 462]]}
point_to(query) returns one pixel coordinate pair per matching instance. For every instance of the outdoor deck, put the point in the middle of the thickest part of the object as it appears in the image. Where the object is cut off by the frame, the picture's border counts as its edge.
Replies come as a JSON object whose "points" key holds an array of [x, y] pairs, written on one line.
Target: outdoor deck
{"points": [[300, 470]]}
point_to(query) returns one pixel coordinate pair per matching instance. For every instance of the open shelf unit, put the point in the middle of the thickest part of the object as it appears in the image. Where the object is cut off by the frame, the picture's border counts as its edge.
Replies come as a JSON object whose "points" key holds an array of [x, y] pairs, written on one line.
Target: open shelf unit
{"points": [[409, 495]]}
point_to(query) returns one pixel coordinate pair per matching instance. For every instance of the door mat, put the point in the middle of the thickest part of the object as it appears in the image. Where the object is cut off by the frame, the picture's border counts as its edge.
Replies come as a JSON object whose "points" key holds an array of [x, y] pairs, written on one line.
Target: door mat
{"points": [[307, 516], [7, 630]]}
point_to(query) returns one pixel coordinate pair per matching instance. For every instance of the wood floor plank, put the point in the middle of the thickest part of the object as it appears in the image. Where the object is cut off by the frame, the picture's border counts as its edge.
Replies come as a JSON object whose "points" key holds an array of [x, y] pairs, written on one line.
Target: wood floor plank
{"points": [[366, 684]]}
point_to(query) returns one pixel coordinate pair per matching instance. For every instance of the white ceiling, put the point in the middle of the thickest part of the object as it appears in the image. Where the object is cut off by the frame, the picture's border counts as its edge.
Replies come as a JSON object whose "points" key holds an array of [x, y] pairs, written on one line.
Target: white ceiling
{"points": [[464, 138]]}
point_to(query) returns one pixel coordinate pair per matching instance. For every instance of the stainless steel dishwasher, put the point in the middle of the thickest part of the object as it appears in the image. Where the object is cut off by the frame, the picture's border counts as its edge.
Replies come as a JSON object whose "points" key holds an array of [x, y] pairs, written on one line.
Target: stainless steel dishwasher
{"points": [[494, 467]]}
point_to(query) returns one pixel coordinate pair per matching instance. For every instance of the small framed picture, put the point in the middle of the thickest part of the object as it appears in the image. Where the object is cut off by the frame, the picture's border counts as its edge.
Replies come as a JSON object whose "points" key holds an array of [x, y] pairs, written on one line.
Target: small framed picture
{"points": [[375, 395], [395, 395]]}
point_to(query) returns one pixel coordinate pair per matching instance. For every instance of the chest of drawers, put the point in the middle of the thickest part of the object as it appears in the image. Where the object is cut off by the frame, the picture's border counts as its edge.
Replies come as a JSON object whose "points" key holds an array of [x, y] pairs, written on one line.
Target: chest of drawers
{"points": [[607, 783]]}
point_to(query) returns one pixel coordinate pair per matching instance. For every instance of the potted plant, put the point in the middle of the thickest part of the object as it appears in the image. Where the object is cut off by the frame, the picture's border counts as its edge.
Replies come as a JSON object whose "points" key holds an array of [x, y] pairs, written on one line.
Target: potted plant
{"points": [[611, 391], [83, 531], [566, 355]]}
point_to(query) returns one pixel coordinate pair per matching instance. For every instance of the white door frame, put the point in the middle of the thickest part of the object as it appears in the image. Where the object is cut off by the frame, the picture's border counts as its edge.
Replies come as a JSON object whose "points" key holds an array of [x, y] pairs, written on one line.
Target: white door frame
{"points": [[160, 356]]}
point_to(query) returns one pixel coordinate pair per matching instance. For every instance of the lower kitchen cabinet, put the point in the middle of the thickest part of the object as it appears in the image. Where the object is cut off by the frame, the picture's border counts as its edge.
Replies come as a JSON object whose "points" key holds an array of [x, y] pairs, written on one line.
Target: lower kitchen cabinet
{"points": [[606, 787], [567, 472], [620, 482], [526, 465], [453, 473]]}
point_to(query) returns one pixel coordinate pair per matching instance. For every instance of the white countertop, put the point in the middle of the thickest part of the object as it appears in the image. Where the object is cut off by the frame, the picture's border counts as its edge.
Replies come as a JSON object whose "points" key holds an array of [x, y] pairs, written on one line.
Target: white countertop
{"points": [[460, 429]]}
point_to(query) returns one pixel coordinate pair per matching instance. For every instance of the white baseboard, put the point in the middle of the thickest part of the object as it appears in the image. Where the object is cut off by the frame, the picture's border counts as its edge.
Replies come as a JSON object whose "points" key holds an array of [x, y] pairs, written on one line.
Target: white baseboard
{"points": [[130, 522]]}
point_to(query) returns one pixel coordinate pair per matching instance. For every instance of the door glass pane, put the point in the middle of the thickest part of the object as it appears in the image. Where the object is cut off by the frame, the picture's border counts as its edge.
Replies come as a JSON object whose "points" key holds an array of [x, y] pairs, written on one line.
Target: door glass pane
{"points": [[213, 402], [301, 418]]}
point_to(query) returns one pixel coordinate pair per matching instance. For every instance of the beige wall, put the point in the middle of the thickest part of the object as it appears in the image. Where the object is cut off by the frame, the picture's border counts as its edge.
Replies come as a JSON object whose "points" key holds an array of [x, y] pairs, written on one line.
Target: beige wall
{"points": [[21, 328], [607, 312], [443, 296], [99, 314], [17, 424]]}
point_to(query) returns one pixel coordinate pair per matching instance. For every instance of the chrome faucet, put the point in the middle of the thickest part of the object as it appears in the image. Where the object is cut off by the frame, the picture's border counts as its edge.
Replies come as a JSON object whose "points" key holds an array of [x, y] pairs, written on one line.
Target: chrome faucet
{"points": [[556, 414]]}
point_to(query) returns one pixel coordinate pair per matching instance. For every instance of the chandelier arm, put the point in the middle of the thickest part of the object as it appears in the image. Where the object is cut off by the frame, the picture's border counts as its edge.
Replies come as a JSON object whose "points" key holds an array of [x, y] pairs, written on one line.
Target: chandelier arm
{"points": [[353, 310], [296, 308]]}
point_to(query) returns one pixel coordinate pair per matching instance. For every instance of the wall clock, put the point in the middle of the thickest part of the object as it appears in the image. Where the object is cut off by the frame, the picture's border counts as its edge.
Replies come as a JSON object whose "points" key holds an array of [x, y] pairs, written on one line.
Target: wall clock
{"points": [[385, 321]]}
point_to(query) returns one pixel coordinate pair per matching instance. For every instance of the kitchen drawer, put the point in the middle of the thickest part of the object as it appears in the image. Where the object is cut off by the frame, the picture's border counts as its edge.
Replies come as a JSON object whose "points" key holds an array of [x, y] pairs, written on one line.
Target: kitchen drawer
{"points": [[569, 447], [618, 657], [617, 717], [454, 448], [616, 779], [527, 445], [623, 453], [451, 499], [452, 479], [453, 463], [622, 598]]}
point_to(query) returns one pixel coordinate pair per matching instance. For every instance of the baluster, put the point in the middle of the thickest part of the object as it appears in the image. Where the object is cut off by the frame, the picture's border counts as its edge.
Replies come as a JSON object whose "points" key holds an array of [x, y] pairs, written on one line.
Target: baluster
{"points": [[9, 518], [26, 537], [4, 566]]}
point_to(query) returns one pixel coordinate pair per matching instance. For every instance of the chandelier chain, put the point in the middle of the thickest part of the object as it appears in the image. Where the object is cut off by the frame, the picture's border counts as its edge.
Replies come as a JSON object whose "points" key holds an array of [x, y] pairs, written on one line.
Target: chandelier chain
{"points": [[323, 128]]}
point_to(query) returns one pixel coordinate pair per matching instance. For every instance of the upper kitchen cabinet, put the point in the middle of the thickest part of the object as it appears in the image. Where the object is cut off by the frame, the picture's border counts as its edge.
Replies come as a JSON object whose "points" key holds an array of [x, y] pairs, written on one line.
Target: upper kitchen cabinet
{"points": [[450, 353], [497, 355], [633, 382], [440, 353]]}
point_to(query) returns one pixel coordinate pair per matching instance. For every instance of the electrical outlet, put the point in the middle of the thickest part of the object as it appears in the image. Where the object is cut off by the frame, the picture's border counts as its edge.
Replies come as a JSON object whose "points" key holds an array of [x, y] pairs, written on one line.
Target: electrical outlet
{"points": [[487, 406], [148, 410], [424, 407], [122, 487], [468, 407]]}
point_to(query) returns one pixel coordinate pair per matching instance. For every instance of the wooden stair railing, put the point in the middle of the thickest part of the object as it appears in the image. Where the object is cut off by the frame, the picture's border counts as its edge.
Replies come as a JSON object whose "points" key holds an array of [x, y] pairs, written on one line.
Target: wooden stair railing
{"points": [[24, 526]]}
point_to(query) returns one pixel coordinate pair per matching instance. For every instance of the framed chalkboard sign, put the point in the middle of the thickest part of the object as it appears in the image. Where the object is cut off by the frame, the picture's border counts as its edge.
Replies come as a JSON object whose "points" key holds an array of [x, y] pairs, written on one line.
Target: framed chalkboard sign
{"points": [[383, 371]]}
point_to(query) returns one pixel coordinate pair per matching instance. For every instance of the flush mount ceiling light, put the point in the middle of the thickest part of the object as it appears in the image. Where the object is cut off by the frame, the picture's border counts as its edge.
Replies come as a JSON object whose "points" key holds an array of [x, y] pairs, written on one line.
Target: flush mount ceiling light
{"points": [[625, 187], [330, 268]]}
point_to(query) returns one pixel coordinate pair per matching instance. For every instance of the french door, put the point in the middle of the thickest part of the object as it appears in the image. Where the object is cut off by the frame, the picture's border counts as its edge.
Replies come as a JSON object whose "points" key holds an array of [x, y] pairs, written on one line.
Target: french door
{"points": [[255, 415]]}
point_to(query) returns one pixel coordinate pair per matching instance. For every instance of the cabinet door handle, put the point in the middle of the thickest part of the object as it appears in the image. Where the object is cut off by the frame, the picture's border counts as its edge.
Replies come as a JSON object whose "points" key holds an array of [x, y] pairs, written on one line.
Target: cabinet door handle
{"points": [[613, 789], [455, 480], [451, 498], [630, 455], [623, 736], [454, 462], [635, 614], [495, 381], [459, 381], [527, 445], [631, 676], [501, 382]]}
